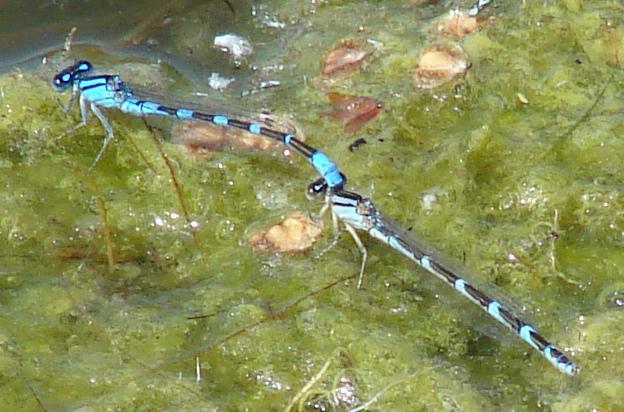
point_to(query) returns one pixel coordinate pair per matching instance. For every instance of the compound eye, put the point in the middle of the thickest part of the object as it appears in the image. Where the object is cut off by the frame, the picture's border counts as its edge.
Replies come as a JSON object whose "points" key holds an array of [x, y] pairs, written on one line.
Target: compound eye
{"points": [[317, 187], [62, 80], [83, 67]]}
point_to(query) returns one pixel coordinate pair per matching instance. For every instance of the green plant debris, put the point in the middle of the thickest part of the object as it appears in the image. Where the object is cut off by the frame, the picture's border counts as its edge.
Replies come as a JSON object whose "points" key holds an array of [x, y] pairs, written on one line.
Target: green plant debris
{"points": [[116, 312]]}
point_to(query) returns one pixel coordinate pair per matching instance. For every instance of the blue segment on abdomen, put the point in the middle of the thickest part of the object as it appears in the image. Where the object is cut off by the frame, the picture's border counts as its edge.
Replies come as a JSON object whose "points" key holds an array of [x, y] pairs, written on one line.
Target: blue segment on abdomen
{"points": [[494, 309], [221, 120], [184, 114], [326, 168], [525, 333]]}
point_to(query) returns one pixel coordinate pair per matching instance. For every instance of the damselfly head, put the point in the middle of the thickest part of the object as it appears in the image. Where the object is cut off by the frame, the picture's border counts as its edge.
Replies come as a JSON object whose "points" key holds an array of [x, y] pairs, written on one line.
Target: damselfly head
{"points": [[317, 187], [320, 186], [66, 77]]}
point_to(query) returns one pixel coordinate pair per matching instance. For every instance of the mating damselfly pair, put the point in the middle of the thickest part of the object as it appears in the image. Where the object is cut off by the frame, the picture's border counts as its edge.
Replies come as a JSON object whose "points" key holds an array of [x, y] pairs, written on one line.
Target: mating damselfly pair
{"points": [[355, 212]]}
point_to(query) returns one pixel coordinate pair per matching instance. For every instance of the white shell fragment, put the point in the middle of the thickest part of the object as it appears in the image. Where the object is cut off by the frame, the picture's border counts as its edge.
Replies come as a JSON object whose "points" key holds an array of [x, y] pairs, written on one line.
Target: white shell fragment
{"points": [[233, 44], [218, 82]]}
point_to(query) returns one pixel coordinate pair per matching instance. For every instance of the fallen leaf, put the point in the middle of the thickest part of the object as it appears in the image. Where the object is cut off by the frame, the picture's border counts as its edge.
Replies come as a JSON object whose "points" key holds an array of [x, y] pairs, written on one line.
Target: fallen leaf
{"points": [[344, 56], [203, 138], [356, 110]]}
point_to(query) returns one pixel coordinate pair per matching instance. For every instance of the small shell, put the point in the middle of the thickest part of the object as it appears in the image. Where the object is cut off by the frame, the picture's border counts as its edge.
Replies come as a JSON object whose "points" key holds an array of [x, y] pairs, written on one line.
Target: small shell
{"points": [[296, 233], [439, 64], [218, 82], [457, 24], [233, 44], [522, 98]]}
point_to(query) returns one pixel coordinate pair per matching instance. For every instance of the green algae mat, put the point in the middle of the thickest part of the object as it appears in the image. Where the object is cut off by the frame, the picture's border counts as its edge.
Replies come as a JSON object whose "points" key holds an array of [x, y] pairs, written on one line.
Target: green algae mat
{"points": [[132, 285]]}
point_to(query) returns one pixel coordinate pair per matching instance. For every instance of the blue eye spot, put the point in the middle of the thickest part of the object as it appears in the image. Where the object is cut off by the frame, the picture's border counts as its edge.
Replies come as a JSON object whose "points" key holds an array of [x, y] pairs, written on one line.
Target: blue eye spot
{"points": [[83, 66]]}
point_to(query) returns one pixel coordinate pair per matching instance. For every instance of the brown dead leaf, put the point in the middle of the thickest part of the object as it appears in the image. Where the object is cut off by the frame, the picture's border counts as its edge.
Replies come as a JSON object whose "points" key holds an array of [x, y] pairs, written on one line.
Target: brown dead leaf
{"points": [[344, 56]]}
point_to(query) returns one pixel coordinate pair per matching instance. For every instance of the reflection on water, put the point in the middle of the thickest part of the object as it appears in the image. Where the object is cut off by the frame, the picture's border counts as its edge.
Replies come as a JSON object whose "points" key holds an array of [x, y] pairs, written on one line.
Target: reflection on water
{"points": [[178, 29]]}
